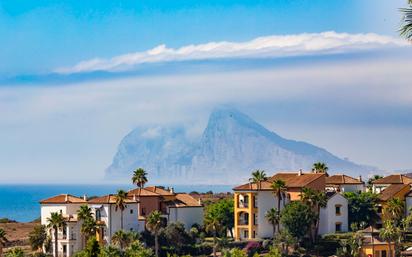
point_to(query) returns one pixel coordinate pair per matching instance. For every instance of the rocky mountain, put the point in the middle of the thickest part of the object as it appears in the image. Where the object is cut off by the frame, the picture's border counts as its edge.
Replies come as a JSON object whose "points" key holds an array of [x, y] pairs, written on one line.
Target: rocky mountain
{"points": [[231, 146]]}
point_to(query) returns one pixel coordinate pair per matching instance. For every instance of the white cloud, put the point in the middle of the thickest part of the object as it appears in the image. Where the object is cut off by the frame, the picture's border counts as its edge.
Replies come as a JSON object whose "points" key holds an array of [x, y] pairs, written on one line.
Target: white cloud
{"points": [[262, 47]]}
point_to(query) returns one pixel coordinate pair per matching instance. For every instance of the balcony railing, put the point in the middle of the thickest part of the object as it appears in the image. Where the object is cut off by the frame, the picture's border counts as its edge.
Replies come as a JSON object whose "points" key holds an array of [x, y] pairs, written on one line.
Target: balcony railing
{"points": [[242, 204], [242, 222]]}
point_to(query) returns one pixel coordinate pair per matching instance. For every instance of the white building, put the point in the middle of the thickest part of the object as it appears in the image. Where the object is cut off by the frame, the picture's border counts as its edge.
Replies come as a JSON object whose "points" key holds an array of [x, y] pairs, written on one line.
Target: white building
{"points": [[112, 219], [396, 179], [343, 183], [69, 237], [334, 217], [175, 207], [103, 208]]}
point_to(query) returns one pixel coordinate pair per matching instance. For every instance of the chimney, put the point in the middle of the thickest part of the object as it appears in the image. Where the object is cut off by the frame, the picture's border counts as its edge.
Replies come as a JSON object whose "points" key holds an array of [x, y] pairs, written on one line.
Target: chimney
{"points": [[134, 198], [85, 197], [300, 172], [360, 178], [66, 198], [200, 201], [172, 190]]}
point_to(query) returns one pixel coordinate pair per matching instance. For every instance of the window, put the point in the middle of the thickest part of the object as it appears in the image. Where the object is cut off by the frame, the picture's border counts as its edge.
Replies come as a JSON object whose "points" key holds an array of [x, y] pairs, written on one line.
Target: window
{"points": [[254, 234], [338, 209], [383, 253], [143, 211], [338, 227], [255, 219], [379, 209], [131, 211], [255, 202], [98, 215], [246, 233]]}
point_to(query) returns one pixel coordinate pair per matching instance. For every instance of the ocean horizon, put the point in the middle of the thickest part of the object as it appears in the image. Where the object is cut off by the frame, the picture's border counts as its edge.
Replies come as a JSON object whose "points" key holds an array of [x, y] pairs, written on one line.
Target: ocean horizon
{"points": [[20, 202]]}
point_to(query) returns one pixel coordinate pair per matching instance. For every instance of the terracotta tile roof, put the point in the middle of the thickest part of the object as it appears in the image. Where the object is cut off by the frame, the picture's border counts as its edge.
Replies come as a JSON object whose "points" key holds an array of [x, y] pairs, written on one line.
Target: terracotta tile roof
{"points": [[63, 199], [341, 179], [391, 191], [159, 190], [142, 192], [292, 180], [109, 199], [394, 179], [183, 200]]}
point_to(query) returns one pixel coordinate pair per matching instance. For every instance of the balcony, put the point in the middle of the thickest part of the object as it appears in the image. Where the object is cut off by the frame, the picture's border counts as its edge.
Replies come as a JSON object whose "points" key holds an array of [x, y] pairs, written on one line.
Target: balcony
{"points": [[243, 219]]}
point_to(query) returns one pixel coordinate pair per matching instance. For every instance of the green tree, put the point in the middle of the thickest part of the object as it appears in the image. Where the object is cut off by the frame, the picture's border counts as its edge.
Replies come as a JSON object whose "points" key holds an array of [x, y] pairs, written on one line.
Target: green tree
{"points": [[212, 222], [56, 222], [362, 207], [15, 252], [120, 204], [235, 252], [154, 224], [406, 27], [3, 240], [139, 178], [272, 216], [88, 228], [394, 210], [315, 200], [176, 236], [320, 167], [258, 177], [37, 237], [372, 179], [92, 247], [224, 210], [136, 249], [284, 239], [390, 233], [121, 239], [110, 251], [297, 218], [279, 189], [274, 252]]}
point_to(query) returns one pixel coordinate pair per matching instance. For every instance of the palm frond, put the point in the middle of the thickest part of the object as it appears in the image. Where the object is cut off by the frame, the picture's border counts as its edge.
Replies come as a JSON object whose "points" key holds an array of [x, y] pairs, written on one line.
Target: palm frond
{"points": [[406, 27]]}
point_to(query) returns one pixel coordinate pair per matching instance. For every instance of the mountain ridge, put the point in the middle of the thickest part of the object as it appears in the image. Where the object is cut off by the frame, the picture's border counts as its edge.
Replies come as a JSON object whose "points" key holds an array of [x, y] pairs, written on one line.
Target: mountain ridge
{"points": [[230, 147]]}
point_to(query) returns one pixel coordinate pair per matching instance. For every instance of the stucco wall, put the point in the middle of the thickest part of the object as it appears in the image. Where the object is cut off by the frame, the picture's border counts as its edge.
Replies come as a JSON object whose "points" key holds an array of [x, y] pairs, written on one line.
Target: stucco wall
{"points": [[328, 217], [188, 216], [265, 201]]}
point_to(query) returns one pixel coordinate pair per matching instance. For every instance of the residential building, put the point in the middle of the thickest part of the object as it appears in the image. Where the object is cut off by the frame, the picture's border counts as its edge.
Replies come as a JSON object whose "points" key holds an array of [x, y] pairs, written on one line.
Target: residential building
{"points": [[69, 237], [395, 179], [111, 218], [373, 245], [334, 217], [343, 183], [252, 201], [393, 191], [175, 207]]}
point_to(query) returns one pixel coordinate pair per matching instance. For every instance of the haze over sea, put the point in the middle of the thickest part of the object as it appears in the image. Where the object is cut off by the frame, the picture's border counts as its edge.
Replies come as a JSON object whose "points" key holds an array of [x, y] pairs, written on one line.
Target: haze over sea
{"points": [[21, 202]]}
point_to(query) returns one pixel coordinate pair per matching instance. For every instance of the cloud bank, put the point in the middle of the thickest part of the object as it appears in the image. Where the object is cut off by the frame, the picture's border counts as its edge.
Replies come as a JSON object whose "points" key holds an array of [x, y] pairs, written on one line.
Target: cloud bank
{"points": [[261, 47]]}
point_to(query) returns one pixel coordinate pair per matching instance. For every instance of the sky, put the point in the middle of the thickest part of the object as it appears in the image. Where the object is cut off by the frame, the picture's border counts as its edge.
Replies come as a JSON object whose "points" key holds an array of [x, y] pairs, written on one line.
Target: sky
{"points": [[77, 76]]}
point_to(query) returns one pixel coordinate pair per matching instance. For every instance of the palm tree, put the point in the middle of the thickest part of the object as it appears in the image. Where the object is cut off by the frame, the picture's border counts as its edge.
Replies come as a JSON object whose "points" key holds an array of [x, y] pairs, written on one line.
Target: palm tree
{"points": [[139, 178], [394, 210], [320, 167], [279, 189], [15, 252], [3, 240], [390, 233], [213, 224], [120, 204], [121, 239], [272, 215], [37, 237], [55, 221], [88, 228], [320, 201], [258, 177], [154, 223], [84, 214], [406, 28]]}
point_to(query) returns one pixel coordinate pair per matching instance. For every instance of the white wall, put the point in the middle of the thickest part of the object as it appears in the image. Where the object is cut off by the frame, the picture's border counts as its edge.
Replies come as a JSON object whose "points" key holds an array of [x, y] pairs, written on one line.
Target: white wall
{"points": [[328, 217], [352, 188], [188, 216], [265, 201], [408, 201]]}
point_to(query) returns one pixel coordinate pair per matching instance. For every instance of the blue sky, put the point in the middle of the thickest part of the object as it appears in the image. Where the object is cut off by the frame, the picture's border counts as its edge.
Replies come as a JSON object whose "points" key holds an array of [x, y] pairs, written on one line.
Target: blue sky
{"points": [[76, 76], [39, 35]]}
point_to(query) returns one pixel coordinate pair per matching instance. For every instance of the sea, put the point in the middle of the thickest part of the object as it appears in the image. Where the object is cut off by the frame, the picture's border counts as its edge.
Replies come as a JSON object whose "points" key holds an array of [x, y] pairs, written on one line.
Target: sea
{"points": [[21, 202]]}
